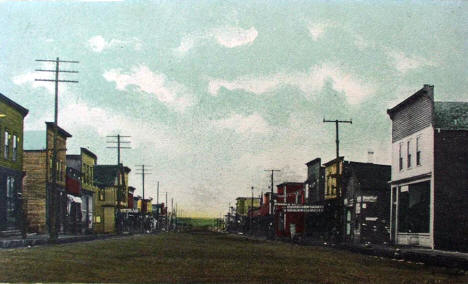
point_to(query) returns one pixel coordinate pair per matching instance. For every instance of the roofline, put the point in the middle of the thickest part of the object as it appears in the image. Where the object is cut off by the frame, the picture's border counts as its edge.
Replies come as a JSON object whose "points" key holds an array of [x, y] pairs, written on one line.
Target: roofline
{"points": [[60, 130], [420, 92], [313, 161], [290, 183], [24, 111], [87, 151], [362, 163], [333, 161]]}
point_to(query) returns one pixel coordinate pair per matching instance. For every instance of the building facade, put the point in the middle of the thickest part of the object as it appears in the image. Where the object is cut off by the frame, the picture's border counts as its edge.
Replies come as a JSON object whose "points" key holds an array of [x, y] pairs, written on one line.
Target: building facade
{"points": [[429, 197], [37, 186], [84, 163], [110, 199], [11, 163]]}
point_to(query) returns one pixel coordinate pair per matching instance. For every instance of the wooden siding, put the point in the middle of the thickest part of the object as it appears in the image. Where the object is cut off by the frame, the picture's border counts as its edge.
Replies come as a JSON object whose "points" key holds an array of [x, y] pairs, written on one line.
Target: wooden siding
{"points": [[34, 190], [412, 118]]}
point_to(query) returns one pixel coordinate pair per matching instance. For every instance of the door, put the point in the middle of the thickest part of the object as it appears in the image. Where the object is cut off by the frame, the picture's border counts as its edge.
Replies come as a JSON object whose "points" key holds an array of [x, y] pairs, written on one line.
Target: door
{"points": [[11, 202]]}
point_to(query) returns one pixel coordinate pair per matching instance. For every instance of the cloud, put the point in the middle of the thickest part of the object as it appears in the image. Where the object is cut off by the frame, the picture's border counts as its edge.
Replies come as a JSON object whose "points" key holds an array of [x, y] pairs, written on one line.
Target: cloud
{"points": [[28, 79], [168, 92], [98, 43], [316, 30], [253, 123], [234, 36], [313, 81], [404, 63], [229, 37]]}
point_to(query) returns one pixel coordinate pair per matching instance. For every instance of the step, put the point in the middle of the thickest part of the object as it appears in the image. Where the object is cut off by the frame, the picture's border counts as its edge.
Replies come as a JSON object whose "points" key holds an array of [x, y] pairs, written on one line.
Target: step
{"points": [[10, 233]]}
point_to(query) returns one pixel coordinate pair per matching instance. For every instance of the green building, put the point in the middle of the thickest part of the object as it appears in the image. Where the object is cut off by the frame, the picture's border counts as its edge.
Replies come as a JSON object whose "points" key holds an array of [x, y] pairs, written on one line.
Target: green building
{"points": [[243, 204], [11, 163]]}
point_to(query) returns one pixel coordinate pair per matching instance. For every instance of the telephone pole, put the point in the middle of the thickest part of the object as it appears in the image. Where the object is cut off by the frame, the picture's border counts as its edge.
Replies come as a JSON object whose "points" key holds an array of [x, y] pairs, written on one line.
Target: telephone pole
{"points": [[53, 188], [271, 189], [251, 210], [119, 147], [167, 220], [143, 170], [340, 194]]}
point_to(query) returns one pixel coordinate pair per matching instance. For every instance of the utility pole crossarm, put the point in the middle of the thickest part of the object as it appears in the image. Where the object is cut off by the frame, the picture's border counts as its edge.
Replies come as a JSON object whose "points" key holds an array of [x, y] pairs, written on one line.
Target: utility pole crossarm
{"points": [[52, 190]]}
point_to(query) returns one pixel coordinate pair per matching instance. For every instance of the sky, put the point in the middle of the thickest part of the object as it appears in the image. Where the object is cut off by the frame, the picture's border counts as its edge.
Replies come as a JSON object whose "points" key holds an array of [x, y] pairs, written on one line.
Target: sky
{"points": [[212, 93]]}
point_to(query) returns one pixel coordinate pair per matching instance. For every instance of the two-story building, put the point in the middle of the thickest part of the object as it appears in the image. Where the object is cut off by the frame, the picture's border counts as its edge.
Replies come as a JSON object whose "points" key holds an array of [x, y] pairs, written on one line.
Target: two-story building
{"points": [[84, 163], [110, 198], [11, 164], [244, 204], [37, 163], [356, 196], [429, 196]]}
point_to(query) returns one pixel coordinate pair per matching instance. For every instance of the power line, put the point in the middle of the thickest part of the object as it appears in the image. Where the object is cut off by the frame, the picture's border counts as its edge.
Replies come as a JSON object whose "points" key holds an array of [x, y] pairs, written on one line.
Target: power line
{"points": [[143, 172], [271, 189], [120, 170], [53, 189]]}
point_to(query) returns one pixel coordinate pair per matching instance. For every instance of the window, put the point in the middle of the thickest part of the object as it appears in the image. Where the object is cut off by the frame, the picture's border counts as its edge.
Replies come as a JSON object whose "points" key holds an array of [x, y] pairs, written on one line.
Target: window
{"points": [[418, 151], [11, 200], [7, 145], [408, 150], [101, 195], [413, 208], [15, 147], [400, 159], [98, 219]]}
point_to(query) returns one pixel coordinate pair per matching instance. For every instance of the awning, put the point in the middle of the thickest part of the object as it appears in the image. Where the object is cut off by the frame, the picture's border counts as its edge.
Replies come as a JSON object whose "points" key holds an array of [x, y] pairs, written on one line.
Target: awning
{"points": [[73, 198]]}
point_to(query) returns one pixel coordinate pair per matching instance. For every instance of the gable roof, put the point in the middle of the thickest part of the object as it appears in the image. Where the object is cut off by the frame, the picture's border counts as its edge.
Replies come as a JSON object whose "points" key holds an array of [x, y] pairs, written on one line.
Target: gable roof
{"points": [[19, 108], [451, 115], [88, 152]]}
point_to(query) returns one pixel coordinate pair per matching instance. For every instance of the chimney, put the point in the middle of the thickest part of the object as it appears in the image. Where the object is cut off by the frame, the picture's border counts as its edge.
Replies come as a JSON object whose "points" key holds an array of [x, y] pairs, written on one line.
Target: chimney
{"points": [[429, 90], [370, 156]]}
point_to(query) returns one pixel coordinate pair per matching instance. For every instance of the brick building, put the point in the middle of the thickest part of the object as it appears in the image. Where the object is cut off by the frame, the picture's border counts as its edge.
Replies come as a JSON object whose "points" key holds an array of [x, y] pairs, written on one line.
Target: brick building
{"points": [[429, 196]]}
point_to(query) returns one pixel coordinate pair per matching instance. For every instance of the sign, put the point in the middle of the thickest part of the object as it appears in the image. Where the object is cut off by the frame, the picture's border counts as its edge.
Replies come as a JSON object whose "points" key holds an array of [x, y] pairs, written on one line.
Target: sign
{"points": [[367, 198], [292, 208]]}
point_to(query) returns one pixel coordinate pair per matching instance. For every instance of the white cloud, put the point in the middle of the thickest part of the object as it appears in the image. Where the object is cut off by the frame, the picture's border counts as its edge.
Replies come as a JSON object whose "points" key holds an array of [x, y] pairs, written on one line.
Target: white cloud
{"points": [[98, 43], [233, 36], [316, 30], [229, 37], [253, 123], [29, 80], [354, 88], [404, 63], [168, 92]]}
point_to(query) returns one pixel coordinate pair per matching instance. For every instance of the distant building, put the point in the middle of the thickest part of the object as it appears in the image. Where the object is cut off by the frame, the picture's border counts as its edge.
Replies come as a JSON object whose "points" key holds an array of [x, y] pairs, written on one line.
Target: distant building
{"points": [[315, 183], [429, 196], [11, 163], [243, 204], [107, 177], [37, 164], [84, 163]]}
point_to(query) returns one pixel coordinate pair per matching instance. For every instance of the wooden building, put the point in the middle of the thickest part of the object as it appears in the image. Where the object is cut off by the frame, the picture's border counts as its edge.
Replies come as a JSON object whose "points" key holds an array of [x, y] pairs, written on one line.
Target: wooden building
{"points": [[109, 198], [429, 196], [37, 163], [11, 164], [84, 163]]}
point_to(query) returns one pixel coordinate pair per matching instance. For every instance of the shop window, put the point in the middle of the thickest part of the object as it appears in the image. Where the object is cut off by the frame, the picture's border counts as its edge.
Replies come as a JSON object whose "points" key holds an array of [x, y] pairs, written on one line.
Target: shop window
{"points": [[98, 219], [413, 208]]}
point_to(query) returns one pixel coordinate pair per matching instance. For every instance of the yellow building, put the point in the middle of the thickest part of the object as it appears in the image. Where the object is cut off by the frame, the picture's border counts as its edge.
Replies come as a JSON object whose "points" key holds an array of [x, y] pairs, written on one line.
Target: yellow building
{"points": [[243, 204], [107, 201], [331, 175]]}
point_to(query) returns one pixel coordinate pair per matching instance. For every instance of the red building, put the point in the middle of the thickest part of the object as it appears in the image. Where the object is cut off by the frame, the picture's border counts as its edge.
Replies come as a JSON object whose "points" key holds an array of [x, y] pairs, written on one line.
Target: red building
{"points": [[131, 190], [289, 221]]}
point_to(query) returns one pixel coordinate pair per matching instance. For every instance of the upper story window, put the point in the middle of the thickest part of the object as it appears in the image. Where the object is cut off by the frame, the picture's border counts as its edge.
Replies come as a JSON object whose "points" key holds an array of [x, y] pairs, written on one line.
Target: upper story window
{"points": [[408, 150], [15, 147], [418, 151], [400, 156], [6, 151]]}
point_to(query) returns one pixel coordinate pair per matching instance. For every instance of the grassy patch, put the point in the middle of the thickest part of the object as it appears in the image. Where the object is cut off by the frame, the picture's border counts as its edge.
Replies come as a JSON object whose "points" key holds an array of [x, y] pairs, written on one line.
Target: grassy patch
{"points": [[204, 257]]}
